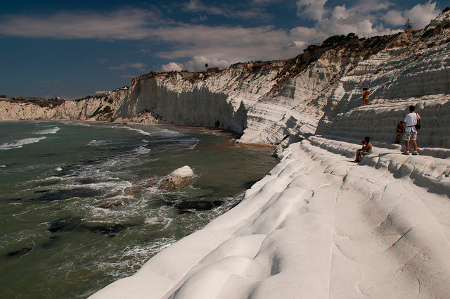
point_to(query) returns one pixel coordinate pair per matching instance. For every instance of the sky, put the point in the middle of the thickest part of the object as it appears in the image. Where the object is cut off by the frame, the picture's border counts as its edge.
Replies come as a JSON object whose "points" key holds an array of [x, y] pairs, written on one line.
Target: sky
{"points": [[72, 49]]}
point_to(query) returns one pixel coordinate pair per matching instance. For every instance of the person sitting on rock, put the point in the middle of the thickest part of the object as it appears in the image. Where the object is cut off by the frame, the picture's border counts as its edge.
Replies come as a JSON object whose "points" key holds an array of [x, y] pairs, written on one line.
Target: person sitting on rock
{"points": [[399, 131], [365, 150]]}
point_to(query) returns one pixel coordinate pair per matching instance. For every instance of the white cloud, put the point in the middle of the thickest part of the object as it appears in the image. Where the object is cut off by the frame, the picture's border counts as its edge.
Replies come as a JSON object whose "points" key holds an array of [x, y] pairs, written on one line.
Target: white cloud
{"points": [[228, 45], [420, 15], [198, 63], [364, 17], [222, 46], [339, 12], [173, 66], [394, 18], [120, 24], [138, 66], [311, 9], [365, 7]]}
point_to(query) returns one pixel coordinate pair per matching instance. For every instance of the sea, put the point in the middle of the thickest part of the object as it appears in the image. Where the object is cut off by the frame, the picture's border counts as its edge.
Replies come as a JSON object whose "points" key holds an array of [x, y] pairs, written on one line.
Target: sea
{"points": [[80, 204]]}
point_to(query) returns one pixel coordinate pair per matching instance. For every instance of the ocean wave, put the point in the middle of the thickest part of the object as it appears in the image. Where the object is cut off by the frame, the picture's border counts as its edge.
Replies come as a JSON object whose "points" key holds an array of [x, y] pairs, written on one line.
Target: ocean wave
{"points": [[53, 130], [77, 123], [142, 132], [157, 132], [20, 143], [132, 258], [142, 150]]}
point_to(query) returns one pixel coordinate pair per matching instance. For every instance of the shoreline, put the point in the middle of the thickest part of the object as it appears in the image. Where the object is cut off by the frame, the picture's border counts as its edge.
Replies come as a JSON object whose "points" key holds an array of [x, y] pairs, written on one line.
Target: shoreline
{"points": [[324, 223]]}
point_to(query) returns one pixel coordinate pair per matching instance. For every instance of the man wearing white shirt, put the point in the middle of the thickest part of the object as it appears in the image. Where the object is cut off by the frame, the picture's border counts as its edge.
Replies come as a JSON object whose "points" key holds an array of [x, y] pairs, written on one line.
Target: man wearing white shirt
{"points": [[411, 120]]}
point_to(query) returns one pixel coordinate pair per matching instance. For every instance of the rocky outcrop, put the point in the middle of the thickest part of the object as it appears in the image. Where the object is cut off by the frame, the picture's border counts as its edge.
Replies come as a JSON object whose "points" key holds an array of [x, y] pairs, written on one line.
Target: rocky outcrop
{"points": [[89, 108], [178, 179]]}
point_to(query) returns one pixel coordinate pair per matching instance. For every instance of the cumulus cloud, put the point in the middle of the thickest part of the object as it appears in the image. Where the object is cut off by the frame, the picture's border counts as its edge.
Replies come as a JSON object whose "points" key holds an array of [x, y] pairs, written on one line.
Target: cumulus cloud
{"points": [[420, 15], [311, 9], [198, 63], [339, 12], [365, 7], [171, 67], [230, 44], [222, 46], [394, 17], [363, 18]]}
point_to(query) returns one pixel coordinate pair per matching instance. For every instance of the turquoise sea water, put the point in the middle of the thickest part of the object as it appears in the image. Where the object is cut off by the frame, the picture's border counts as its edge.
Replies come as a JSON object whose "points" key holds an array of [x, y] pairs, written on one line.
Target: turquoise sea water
{"points": [[68, 228]]}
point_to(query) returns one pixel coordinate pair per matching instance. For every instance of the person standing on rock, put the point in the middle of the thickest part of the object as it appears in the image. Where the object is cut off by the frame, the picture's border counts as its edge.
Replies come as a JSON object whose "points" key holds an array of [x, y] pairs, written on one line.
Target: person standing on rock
{"points": [[366, 96], [411, 120]]}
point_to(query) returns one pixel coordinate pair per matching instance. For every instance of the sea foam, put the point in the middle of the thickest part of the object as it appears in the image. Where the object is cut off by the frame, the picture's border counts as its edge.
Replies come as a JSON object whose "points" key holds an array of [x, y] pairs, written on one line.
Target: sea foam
{"points": [[53, 130], [20, 143]]}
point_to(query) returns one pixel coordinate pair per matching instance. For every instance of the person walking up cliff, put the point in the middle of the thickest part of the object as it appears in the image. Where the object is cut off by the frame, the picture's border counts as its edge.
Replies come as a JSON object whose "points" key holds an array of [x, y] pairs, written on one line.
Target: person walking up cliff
{"points": [[366, 96], [412, 123]]}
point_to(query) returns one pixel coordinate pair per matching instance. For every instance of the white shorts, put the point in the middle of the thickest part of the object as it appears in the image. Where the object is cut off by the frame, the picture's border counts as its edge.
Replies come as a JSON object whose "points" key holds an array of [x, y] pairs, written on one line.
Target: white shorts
{"points": [[410, 136]]}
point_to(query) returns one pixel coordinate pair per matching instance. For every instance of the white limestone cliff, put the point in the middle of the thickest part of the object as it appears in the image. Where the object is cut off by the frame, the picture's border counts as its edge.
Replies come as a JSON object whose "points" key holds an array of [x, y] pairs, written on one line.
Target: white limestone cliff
{"points": [[318, 92]]}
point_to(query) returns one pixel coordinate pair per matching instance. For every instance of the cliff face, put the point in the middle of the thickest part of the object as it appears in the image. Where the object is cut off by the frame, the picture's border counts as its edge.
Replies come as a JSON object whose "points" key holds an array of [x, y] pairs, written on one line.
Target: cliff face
{"points": [[89, 108], [318, 92]]}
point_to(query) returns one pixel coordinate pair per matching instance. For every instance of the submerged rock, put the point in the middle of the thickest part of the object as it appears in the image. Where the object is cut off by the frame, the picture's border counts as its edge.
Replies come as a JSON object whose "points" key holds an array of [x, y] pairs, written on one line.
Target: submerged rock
{"points": [[65, 224], [189, 206], [142, 184], [20, 252], [69, 224]]}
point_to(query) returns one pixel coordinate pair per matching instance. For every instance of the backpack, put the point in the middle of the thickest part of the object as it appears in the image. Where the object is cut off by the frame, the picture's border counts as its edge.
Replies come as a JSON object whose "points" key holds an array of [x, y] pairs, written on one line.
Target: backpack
{"points": [[417, 125]]}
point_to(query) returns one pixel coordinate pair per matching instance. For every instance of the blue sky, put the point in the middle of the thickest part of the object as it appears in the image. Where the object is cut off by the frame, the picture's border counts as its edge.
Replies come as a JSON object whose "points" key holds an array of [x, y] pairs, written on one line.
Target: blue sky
{"points": [[72, 49]]}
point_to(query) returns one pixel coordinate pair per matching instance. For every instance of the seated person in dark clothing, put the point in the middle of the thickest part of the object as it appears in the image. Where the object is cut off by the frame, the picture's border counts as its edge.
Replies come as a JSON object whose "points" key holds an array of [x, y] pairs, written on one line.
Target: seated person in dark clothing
{"points": [[365, 150], [399, 131]]}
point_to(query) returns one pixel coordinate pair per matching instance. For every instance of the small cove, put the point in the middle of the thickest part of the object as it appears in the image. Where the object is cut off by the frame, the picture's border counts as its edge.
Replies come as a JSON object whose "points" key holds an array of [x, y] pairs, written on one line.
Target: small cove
{"points": [[57, 242]]}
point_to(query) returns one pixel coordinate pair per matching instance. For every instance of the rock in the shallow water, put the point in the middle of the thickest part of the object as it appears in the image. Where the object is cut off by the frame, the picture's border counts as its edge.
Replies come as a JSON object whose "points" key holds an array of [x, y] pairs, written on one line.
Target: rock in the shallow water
{"points": [[142, 185], [65, 224], [20, 252], [69, 224], [189, 206], [178, 179], [108, 203]]}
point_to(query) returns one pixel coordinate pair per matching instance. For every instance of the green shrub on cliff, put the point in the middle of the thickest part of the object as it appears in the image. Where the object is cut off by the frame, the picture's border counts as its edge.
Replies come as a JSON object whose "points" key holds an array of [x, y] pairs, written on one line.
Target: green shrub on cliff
{"points": [[336, 39]]}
